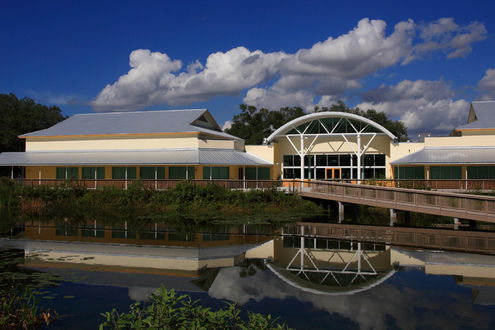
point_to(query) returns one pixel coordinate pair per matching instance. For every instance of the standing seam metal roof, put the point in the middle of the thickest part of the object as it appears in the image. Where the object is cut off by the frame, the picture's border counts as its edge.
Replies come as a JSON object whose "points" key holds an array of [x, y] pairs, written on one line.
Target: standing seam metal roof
{"points": [[136, 122], [133, 157], [449, 155], [485, 116]]}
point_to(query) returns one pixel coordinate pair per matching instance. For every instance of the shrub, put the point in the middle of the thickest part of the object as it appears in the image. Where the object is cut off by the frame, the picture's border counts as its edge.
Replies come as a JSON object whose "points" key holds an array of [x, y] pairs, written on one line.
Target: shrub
{"points": [[167, 310]]}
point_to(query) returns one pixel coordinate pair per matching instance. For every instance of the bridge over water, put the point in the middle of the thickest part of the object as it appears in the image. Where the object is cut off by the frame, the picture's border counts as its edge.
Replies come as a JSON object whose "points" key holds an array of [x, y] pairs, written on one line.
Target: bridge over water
{"points": [[457, 205]]}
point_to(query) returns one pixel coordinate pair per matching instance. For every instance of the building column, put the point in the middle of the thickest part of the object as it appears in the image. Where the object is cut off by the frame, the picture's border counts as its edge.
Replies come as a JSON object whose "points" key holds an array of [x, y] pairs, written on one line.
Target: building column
{"points": [[302, 160]]}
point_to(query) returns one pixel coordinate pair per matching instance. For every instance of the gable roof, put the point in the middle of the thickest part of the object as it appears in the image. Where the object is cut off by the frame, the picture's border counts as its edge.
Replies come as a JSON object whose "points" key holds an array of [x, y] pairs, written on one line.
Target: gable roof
{"points": [[135, 122], [481, 116]]}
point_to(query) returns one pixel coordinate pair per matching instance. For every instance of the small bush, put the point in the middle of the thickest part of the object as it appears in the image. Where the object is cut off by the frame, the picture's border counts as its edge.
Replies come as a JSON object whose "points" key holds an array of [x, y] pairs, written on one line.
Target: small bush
{"points": [[167, 310]]}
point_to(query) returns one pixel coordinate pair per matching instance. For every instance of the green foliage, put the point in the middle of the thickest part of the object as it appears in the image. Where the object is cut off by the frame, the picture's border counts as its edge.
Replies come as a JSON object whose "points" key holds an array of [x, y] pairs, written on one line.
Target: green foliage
{"points": [[254, 126], [20, 303], [21, 117], [167, 310]]}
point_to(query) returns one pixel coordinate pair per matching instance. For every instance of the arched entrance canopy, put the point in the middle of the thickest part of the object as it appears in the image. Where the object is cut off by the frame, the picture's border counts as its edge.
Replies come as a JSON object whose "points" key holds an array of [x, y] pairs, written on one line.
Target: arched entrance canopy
{"points": [[329, 123], [324, 124]]}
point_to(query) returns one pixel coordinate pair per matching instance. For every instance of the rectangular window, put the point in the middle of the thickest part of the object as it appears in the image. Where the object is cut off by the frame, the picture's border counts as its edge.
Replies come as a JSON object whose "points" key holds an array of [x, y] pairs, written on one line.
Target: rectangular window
{"points": [[120, 172], [89, 173], [288, 160], [333, 160], [345, 160], [263, 173], [380, 160], [321, 160], [220, 173], [60, 172], [250, 173], [445, 172], [435, 172]]}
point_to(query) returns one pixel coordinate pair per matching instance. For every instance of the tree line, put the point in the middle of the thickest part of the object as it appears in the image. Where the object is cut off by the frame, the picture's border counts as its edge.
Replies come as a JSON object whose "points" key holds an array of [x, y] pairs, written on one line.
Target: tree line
{"points": [[255, 125]]}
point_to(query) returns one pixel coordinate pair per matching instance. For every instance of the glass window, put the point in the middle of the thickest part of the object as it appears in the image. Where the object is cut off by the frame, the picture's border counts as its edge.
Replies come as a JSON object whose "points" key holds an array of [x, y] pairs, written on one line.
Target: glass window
{"points": [[345, 160], [320, 174], [369, 160], [333, 160], [288, 160], [321, 160], [456, 172], [264, 173], [250, 173], [60, 173], [379, 160], [435, 172], [120, 172], [89, 173]]}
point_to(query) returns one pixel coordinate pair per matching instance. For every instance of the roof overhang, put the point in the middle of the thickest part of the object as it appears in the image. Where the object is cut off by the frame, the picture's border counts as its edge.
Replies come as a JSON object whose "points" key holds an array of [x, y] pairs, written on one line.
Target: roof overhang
{"points": [[133, 157], [448, 155]]}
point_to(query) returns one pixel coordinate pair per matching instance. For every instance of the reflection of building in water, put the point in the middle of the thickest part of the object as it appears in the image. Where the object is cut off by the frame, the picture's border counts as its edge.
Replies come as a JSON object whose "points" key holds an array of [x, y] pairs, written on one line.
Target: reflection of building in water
{"points": [[474, 271], [331, 267], [155, 234], [142, 269]]}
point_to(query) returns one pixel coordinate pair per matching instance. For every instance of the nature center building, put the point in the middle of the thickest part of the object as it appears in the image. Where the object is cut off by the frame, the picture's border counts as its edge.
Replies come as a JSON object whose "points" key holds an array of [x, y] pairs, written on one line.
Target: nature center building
{"points": [[175, 144], [189, 144]]}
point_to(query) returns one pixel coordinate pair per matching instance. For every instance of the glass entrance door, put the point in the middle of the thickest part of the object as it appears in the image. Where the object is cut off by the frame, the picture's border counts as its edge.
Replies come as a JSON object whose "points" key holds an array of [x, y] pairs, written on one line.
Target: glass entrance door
{"points": [[332, 174]]}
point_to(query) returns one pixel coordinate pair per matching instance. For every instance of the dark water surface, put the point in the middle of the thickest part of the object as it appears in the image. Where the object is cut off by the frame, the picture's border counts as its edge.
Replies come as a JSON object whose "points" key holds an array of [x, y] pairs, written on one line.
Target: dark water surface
{"points": [[337, 285]]}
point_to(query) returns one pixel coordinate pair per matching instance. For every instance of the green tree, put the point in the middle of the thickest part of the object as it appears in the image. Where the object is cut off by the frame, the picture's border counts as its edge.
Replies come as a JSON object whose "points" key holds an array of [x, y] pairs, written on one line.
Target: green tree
{"points": [[23, 116], [255, 125]]}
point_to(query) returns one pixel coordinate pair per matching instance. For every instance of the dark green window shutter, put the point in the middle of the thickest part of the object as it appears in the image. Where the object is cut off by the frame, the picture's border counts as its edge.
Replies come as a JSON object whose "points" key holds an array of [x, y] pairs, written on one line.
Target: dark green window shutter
{"points": [[472, 172], [190, 173], [131, 173], [160, 173], [435, 172], [100, 173], [206, 173], [457, 172], [250, 173], [60, 172], [72, 172]]}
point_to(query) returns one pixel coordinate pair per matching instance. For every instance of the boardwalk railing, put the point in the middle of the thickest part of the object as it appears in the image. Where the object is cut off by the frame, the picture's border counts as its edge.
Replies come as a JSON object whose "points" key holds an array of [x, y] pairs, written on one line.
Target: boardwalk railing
{"points": [[465, 206], [455, 240]]}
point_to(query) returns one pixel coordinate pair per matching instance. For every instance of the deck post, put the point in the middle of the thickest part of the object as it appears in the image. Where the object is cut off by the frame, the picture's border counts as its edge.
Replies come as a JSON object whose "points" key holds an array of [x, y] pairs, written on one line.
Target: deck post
{"points": [[393, 217], [457, 222]]}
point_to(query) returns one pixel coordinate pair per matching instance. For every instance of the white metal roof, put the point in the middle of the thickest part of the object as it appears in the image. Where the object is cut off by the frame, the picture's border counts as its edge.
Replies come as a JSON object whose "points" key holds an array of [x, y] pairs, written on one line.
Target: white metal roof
{"points": [[133, 157], [484, 116], [449, 155], [135, 122]]}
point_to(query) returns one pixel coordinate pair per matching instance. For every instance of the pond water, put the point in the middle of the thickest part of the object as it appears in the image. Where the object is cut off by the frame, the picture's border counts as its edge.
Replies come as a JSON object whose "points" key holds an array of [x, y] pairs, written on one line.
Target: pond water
{"points": [[338, 284]]}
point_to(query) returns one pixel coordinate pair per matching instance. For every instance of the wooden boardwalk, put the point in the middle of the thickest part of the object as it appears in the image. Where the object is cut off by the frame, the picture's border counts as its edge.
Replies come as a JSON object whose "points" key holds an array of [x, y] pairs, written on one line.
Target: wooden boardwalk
{"points": [[430, 238], [462, 206]]}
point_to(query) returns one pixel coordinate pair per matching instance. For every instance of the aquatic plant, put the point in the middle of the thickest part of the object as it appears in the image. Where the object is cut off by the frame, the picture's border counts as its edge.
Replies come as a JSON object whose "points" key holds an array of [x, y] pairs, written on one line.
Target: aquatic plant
{"points": [[167, 310]]}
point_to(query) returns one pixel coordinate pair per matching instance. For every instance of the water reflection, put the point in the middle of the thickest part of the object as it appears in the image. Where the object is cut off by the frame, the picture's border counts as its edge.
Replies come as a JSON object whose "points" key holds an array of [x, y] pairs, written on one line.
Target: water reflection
{"points": [[311, 283]]}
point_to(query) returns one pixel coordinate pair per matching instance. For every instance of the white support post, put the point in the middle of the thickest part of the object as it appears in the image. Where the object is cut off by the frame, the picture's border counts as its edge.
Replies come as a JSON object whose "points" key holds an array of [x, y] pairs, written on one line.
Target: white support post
{"points": [[12, 172], [301, 153], [359, 176]]}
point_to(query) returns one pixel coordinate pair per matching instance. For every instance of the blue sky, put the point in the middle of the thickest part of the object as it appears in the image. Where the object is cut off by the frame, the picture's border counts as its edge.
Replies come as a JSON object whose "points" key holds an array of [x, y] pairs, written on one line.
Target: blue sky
{"points": [[422, 62]]}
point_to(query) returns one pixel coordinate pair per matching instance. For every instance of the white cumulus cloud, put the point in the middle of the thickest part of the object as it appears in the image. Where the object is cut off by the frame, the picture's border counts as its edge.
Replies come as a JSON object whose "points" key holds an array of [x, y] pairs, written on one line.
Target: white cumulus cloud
{"points": [[423, 106], [327, 70]]}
